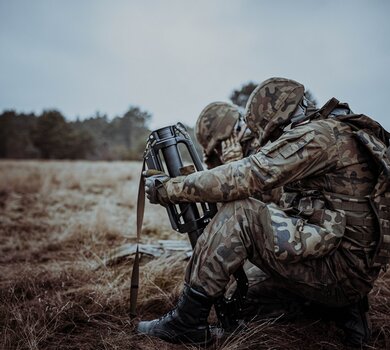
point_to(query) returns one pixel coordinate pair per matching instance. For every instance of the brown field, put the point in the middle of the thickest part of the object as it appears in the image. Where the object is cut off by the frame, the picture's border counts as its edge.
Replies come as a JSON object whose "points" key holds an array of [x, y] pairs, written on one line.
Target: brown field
{"points": [[59, 220]]}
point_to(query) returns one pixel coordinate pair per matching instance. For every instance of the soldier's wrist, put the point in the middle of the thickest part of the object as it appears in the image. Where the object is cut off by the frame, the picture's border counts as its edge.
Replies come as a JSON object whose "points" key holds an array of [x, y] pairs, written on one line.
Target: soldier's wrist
{"points": [[174, 188]]}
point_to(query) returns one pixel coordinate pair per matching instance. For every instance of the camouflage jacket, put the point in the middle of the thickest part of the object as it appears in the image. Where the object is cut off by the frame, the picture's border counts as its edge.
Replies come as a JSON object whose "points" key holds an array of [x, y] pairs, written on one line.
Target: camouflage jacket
{"points": [[319, 163], [321, 155], [250, 146]]}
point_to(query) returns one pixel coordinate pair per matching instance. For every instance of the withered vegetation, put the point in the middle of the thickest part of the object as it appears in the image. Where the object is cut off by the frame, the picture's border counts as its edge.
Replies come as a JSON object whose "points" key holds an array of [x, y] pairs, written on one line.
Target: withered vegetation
{"points": [[59, 220]]}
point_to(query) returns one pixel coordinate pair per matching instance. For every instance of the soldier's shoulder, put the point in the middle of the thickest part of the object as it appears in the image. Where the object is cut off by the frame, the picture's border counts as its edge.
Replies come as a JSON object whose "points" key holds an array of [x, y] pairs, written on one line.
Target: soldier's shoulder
{"points": [[319, 126], [309, 126]]}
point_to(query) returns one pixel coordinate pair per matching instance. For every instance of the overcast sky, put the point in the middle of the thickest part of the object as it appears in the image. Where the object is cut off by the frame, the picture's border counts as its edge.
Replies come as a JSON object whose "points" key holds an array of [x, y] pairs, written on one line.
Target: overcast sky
{"points": [[171, 58]]}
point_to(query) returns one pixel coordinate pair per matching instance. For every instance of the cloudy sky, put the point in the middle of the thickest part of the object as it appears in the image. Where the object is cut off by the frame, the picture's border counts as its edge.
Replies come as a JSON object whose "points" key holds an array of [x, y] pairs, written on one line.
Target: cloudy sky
{"points": [[173, 57]]}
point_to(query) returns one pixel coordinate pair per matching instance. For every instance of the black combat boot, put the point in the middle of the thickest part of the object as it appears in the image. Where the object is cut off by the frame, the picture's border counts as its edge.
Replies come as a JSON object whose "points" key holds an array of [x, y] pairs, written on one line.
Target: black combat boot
{"points": [[353, 320], [186, 323]]}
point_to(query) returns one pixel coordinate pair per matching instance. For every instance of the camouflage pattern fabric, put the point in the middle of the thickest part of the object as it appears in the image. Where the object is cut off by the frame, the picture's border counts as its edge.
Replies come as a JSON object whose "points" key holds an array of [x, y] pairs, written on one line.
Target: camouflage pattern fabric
{"points": [[231, 149], [250, 145], [237, 233], [271, 105], [376, 141], [215, 123], [228, 150], [311, 159], [295, 238], [305, 154]]}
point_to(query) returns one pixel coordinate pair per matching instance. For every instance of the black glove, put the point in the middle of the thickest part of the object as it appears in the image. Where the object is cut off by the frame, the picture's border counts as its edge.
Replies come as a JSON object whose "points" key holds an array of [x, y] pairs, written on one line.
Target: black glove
{"points": [[155, 190]]}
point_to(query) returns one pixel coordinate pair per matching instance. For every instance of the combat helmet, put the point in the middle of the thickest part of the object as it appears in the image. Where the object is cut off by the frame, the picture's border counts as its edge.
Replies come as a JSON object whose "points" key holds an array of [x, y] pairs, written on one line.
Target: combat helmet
{"points": [[215, 123], [271, 106]]}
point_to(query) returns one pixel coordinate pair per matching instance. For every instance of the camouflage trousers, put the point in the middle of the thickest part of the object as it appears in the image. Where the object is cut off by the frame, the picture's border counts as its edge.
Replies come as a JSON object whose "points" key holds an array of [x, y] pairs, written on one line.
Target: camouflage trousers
{"points": [[237, 234]]}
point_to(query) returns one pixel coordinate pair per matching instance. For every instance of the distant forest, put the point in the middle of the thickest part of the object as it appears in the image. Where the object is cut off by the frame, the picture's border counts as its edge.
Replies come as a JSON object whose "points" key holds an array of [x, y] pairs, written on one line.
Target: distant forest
{"points": [[51, 136]]}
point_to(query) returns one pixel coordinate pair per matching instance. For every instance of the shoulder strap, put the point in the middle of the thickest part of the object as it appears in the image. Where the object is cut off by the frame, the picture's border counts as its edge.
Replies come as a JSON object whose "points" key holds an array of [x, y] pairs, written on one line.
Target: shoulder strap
{"points": [[135, 271], [328, 107]]}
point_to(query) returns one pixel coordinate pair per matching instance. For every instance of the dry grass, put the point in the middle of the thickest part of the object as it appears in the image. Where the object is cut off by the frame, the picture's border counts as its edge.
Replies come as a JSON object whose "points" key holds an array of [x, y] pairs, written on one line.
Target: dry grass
{"points": [[58, 220]]}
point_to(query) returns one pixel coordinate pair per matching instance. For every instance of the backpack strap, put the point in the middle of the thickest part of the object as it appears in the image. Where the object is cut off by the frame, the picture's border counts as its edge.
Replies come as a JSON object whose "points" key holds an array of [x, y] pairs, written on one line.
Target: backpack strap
{"points": [[328, 107]]}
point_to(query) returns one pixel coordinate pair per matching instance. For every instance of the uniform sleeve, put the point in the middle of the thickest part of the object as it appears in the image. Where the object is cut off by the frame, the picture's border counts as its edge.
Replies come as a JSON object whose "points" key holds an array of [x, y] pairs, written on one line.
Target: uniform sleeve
{"points": [[307, 150]]}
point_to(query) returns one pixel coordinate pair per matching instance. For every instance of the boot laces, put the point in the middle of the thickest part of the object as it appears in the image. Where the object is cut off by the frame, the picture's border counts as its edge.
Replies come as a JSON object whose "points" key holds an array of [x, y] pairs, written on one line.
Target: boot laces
{"points": [[168, 314]]}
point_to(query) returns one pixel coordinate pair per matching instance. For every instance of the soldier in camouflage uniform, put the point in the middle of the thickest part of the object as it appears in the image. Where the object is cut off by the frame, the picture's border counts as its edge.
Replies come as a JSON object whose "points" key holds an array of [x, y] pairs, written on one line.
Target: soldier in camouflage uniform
{"points": [[319, 243], [224, 136]]}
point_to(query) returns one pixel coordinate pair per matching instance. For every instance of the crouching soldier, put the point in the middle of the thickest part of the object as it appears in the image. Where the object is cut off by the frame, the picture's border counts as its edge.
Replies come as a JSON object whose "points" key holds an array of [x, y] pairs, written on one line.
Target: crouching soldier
{"points": [[323, 242], [224, 136]]}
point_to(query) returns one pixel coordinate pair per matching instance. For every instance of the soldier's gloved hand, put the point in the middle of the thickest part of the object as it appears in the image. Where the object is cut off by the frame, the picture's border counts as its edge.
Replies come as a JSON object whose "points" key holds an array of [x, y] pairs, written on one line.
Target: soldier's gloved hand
{"points": [[155, 186], [231, 150]]}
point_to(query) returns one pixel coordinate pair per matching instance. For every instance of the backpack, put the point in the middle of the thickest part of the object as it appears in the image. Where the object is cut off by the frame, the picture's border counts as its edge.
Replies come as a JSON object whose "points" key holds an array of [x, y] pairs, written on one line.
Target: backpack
{"points": [[380, 196], [375, 140]]}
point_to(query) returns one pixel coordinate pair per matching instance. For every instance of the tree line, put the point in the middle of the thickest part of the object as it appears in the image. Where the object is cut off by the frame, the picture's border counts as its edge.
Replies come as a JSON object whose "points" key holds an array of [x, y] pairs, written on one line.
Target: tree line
{"points": [[50, 135]]}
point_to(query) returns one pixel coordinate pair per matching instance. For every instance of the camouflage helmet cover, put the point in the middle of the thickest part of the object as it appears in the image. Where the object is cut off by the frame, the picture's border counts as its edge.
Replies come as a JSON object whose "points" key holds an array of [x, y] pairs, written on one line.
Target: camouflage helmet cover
{"points": [[271, 105], [215, 123]]}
